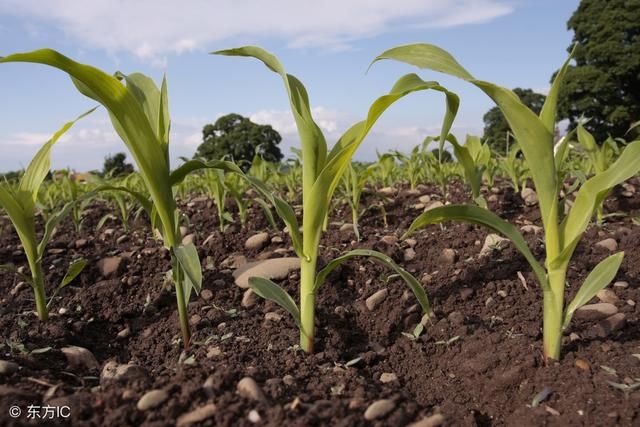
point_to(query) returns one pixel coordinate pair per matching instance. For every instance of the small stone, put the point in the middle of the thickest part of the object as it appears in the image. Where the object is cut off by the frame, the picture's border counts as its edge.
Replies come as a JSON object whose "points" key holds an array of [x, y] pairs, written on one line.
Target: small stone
{"points": [[257, 241], [389, 240], [610, 244], [62, 311], [610, 324], [277, 239], [424, 199], [126, 372], [125, 333], [388, 377], [289, 380], [206, 294], [387, 191], [492, 198], [533, 229], [375, 299], [249, 298], [456, 318], [80, 357], [272, 316], [490, 302], [411, 242], [7, 367], [631, 302], [347, 227], [249, 389], [574, 337], [254, 416], [491, 242], [583, 364], [152, 399], [426, 279], [197, 415], [621, 284], [607, 295], [434, 420], [465, 293], [433, 205], [109, 267], [274, 269], [448, 257], [80, 243], [188, 239], [529, 196], [409, 254], [213, 352], [591, 312], [195, 319], [379, 409]]}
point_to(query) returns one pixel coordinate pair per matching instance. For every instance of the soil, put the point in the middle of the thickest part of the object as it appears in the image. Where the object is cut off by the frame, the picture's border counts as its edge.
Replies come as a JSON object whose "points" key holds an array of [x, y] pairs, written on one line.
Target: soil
{"points": [[478, 363]]}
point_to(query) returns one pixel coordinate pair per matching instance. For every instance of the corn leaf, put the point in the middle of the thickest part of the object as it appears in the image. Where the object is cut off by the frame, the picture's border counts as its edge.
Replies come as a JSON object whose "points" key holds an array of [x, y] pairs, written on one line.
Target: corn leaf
{"points": [[598, 279], [187, 256], [480, 216], [533, 134], [381, 258], [548, 112], [75, 268], [272, 292]]}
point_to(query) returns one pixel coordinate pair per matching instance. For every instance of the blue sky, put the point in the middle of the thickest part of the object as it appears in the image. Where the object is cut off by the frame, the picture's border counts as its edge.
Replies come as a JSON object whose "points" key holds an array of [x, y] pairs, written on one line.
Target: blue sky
{"points": [[328, 44]]}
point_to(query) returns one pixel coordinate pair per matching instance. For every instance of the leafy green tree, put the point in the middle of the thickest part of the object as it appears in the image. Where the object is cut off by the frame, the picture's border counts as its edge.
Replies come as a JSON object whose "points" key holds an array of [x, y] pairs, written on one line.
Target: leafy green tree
{"points": [[116, 165], [496, 126], [604, 83], [236, 137]]}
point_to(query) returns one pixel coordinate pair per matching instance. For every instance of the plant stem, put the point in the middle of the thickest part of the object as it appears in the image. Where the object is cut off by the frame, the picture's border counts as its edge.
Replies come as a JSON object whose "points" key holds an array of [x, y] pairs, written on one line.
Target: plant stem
{"points": [[553, 303], [307, 302], [182, 305], [39, 292]]}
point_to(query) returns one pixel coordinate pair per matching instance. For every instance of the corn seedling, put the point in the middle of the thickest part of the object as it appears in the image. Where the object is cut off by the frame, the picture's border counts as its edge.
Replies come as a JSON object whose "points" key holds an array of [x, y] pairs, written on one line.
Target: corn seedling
{"points": [[20, 204], [140, 115], [353, 183], [535, 135], [322, 170]]}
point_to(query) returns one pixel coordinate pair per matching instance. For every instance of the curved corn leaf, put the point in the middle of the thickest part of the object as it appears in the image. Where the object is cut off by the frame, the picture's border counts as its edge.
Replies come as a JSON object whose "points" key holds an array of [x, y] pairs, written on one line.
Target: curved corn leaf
{"points": [[128, 118], [23, 221], [75, 268], [179, 174], [535, 135], [471, 170], [548, 112], [480, 216], [590, 195], [381, 258], [598, 279], [272, 292], [267, 212], [187, 256], [53, 220], [590, 146]]}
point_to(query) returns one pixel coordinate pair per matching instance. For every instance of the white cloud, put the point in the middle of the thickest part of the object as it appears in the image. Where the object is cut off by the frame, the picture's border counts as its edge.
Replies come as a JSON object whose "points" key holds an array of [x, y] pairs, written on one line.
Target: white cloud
{"points": [[152, 29]]}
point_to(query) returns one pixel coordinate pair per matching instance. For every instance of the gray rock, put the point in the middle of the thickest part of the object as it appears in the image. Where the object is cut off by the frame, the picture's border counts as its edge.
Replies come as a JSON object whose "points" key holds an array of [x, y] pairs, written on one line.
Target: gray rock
{"points": [[609, 325], [607, 295], [109, 267], [80, 357], [206, 294], [234, 261], [610, 244], [375, 299], [591, 312], [388, 377], [274, 269], [529, 196], [7, 367], [248, 388], [152, 399], [621, 285], [409, 254], [389, 240], [125, 372], [197, 415], [257, 241], [424, 199], [491, 242], [379, 409], [272, 316], [448, 256]]}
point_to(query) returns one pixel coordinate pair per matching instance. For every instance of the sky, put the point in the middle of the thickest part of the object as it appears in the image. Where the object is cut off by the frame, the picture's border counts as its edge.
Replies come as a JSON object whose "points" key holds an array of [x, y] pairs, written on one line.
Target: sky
{"points": [[327, 44]]}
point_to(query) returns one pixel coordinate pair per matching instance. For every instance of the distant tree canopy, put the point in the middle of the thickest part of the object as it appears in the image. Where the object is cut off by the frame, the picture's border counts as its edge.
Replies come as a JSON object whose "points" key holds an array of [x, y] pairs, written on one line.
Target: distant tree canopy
{"points": [[496, 126], [604, 84], [116, 165], [236, 137]]}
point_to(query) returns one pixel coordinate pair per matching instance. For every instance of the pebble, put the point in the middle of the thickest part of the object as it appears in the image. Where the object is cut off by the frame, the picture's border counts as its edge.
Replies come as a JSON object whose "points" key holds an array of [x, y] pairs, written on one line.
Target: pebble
{"points": [[426, 279], [274, 269], [289, 380], [248, 388], [424, 199], [375, 299], [448, 256], [433, 205], [254, 416], [379, 409], [346, 227], [277, 239], [529, 196], [631, 302], [534, 229], [272, 316], [152, 399], [597, 311], [109, 267], [621, 284], [257, 241], [387, 191], [80, 357], [411, 242], [491, 242], [249, 298], [389, 240], [434, 420], [609, 244], [607, 295], [188, 239], [213, 352], [7, 367], [206, 294], [502, 293], [197, 415], [80, 243], [583, 364], [456, 318], [125, 333], [409, 254], [609, 325], [122, 372], [388, 377], [465, 293]]}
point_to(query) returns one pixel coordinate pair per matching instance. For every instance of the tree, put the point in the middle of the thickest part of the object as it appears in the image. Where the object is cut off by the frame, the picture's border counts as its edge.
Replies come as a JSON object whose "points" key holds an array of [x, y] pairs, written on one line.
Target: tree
{"points": [[604, 84], [236, 137], [496, 126], [116, 165]]}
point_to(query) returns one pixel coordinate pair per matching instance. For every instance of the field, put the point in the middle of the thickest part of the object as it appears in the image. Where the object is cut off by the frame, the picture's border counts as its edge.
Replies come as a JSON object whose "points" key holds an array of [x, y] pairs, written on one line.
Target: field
{"points": [[446, 286]]}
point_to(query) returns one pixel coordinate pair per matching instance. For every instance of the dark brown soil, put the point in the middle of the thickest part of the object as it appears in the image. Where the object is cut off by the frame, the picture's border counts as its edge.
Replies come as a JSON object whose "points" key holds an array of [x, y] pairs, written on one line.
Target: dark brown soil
{"points": [[478, 364]]}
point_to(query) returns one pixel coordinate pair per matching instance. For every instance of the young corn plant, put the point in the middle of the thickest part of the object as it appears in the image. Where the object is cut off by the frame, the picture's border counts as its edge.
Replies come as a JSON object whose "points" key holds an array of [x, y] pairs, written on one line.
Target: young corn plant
{"points": [[535, 136], [20, 204], [140, 115], [353, 181], [322, 170]]}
